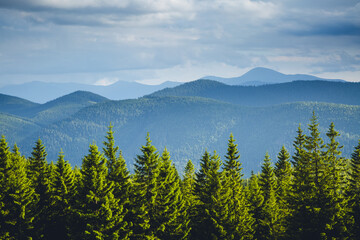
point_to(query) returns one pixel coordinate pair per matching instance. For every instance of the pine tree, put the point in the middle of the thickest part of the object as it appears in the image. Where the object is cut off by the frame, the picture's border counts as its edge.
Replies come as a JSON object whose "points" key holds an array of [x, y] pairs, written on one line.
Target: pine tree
{"points": [[39, 174], [19, 221], [118, 175], [187, 189], [98, 210], [256, 201], [188, 183], [5, 174], [212, 209], [283, 172], [353, 193], [283, 175], [145, 192], [320, 202], [301, 194], [335, 187], [271, 225], [171, 218], [62, 201], [240, 221]]}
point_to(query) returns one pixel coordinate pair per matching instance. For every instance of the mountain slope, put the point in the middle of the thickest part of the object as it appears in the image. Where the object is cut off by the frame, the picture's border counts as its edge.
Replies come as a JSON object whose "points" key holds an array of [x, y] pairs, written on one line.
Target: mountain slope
{"points": [[266, 95], [15, 105], [260, 76], [16, 128], [65, 106], [42, 92], [189, 125]]}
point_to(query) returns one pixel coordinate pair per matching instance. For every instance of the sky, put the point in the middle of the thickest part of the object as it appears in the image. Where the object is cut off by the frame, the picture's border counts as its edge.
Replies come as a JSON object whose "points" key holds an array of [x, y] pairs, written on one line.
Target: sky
{"points": [[152, 41]]}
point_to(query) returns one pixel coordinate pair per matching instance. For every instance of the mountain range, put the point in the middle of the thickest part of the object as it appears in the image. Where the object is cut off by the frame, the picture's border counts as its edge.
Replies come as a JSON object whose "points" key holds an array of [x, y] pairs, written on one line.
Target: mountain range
{"points": [[41, 92], [186, 119], [261, 76]]}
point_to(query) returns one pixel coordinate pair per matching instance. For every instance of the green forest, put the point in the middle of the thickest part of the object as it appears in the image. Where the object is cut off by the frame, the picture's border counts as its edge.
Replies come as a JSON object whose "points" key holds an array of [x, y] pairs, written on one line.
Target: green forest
{"points": [[313, 194]]}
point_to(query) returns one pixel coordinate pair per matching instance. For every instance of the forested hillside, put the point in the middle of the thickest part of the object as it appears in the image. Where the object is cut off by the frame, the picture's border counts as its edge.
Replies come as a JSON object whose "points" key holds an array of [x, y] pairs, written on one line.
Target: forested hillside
{"points": [[186, 125], [189, 125], [315, 91], [310, 194]]}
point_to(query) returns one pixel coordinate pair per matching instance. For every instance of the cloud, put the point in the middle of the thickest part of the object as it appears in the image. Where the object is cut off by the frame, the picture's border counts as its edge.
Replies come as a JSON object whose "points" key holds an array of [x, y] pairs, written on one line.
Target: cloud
{"points": [[92, 36], [106, 81]]}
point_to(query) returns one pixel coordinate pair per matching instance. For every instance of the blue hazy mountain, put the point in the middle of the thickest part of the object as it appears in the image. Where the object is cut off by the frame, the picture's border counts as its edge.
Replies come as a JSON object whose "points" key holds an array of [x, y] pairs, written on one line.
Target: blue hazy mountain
{"points": [[186, 119], [55, 110], [260, 76], [265, 95], [41, 92], [187, 126]]}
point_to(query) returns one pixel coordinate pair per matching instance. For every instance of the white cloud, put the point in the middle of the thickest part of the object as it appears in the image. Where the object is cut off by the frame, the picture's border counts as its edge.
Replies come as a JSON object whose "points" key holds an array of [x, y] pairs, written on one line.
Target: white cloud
{"points": [[106, 81]]}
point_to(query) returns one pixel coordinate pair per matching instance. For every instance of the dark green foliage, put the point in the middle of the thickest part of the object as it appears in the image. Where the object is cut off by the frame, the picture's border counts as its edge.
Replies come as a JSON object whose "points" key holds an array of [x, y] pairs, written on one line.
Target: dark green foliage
{"points": [[256, 201], [100, 216], [171, 217], [211, 210], [16, 195], [145, 192], [118, 176], [240, 222], [40, 175], [335, 187], [353, 192], [62, 201], [316, 199], [270, 225], [21, 199]]}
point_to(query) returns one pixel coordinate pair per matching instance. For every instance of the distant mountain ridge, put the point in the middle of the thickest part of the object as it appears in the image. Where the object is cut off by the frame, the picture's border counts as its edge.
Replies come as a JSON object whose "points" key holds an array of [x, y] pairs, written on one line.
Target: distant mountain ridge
{"points": [[187, 126], [261, 76], [266, 95], [41, 92], [51, 111], [186, 119]]}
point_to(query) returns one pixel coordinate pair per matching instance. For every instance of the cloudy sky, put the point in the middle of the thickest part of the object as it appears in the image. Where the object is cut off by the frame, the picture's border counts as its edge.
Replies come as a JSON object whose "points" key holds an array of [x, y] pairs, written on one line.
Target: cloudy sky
{"points": [[102, 41]]}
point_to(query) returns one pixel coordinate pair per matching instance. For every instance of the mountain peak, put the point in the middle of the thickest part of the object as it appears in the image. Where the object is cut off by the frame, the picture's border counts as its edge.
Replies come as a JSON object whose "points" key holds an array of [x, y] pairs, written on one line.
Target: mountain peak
{"points": [[261, 76]]}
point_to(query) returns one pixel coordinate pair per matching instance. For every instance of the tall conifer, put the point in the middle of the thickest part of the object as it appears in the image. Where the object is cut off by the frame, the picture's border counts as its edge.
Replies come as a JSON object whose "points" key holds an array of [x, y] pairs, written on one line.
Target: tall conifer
{"points": [[171, 218], [271, 225], [39, 173], [100, 216], [118, 176], [62, 201], [353, 192], [212, 209], [240, 221], [145, 192]]}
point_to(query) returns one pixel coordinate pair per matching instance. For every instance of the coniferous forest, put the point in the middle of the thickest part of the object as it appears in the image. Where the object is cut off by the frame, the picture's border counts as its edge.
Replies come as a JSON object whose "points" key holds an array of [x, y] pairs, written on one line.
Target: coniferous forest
{"points": [[313, 194]]}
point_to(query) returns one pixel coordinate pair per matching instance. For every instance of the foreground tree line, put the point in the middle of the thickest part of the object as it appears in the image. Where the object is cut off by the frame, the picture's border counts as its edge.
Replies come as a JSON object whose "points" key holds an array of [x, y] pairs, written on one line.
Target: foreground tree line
{"points": [[315, 194]]}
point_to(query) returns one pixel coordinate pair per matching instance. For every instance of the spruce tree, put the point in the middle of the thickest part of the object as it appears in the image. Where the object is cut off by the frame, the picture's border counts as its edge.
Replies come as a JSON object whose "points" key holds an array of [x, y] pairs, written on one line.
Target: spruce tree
{"points": [[353, 193], [283, 172], [145, 192], [187, 189], [240, 221], [335, 187], [320, 202], [171, 218], [21, 195], [5, 174], [99, 213], [256, 201], [270, 222], [212, 209], [40, 176], [118, 175], [62, 201]]}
